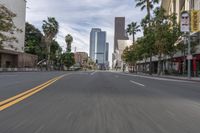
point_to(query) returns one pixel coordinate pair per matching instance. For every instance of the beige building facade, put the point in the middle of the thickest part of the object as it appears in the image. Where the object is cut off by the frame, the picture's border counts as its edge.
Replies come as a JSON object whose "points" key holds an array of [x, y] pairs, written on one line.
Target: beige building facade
{"points": [[122, 44], [19, 8], [12, 55], [177, 6]]}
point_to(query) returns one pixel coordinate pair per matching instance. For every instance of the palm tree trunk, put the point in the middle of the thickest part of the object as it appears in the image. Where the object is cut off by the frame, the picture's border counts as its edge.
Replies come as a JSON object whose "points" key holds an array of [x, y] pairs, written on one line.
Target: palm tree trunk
{"points": [[159, 65], [164, 62], [148, 11], [145, 65], [133, 38], [48, 57], [151, 54], [150, 63], [171, 65]]}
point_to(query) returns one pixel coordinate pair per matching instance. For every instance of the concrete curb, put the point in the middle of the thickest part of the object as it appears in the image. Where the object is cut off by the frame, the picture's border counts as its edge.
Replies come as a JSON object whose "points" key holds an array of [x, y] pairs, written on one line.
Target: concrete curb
{"points": [[169, 77], [19, 69]]}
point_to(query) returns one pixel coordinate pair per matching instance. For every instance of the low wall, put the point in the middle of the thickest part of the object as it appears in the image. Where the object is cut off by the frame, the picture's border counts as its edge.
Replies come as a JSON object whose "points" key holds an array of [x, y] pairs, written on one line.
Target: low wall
{"points": [[13, 59], [27, 60]]}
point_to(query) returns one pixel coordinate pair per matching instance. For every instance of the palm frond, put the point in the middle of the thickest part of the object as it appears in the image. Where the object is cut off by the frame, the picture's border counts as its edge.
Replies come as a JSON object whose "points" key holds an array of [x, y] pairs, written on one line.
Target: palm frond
{"points": [[140, 3], [143, 7]]}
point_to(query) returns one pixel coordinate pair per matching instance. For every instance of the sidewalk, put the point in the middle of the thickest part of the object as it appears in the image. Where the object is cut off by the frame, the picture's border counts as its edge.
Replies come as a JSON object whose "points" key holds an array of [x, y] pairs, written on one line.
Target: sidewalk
{"points": [[181, 78], [196, 79], [19, 70]]}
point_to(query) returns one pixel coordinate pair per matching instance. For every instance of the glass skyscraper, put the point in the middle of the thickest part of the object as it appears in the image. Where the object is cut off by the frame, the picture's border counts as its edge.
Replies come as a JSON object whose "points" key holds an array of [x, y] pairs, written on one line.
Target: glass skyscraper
{"points": [[98, 52], [100, 47], [92, 42]]}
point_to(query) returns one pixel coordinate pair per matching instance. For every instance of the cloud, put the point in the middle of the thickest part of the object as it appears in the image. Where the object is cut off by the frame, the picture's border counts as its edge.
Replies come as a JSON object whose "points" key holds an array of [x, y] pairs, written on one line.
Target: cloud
{"points": [[77, 17]]}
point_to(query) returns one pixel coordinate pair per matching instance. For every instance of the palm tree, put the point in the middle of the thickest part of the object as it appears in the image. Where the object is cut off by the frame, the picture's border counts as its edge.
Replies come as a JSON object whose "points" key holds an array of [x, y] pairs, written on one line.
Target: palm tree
{"points": [[132, 29], [50, 29], [149, 5], [69, 40]]}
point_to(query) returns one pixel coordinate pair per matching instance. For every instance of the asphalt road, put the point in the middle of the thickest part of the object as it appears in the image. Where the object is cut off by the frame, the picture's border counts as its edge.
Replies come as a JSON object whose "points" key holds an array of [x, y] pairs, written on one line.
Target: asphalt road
{"points": [[99, 102]]}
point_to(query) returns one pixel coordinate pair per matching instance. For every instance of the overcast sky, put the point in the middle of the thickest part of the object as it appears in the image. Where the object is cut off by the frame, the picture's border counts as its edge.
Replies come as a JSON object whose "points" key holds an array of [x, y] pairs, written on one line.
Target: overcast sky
{"points": [[77, 17]]}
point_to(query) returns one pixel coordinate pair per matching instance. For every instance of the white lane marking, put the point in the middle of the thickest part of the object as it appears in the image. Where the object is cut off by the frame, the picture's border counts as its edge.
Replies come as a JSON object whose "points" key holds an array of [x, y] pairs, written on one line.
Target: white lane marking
{"points": [[93, 73], [158, 78], [137, 83], [82, 73]]}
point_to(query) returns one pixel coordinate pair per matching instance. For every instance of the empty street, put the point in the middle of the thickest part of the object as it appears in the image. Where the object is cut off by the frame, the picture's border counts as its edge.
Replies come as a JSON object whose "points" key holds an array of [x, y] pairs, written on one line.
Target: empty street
{"points": [[97, 102]]}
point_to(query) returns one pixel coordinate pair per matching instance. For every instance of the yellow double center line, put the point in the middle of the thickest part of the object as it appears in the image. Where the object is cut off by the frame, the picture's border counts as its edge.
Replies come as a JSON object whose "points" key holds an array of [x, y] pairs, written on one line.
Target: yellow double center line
{"points": [[15, 99]]}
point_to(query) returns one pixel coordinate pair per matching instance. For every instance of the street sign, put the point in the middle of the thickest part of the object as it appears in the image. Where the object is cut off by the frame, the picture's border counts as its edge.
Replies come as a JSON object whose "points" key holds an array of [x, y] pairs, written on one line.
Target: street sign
{"points": [[189, 57], [195, 20], [185, 22]]}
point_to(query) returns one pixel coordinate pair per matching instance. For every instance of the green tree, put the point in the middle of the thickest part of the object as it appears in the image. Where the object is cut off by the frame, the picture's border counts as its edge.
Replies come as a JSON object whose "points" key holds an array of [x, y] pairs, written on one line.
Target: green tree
{"points": [[143, 51], [173, 35], [68, 59], [127, 55], [69, 40], [161, 26], [7, 26], [132, 54], [132, 29], [50, 29], [56, 53], [149, 5], [149, 44], [33, 41], [56, 50], [140, 50]]}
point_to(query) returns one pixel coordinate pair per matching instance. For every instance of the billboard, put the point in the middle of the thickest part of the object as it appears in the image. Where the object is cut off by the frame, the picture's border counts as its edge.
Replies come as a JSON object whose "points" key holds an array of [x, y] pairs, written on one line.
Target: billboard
{"points": [[195, 27], [185, 22]]}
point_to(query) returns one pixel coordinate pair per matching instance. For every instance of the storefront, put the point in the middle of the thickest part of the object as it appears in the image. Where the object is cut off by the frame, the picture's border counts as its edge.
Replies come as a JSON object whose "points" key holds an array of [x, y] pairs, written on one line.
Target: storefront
{"points": [[196, 65], [181, 65]]}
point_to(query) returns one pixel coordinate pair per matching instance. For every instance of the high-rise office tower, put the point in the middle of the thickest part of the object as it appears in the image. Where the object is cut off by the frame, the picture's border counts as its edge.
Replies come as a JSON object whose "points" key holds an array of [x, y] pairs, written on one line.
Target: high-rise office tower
{"points": [[120, 32], [92, 42], [100, 47], [119, 35]]}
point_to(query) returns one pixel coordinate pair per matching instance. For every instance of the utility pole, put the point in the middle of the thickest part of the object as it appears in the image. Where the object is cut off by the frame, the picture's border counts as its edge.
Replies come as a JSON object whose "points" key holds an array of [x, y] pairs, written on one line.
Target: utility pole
{"points": [[189, 43], [185, 27], [189, 56], [184, 53]]}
